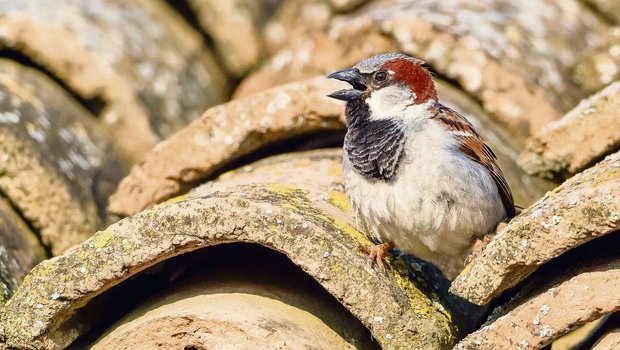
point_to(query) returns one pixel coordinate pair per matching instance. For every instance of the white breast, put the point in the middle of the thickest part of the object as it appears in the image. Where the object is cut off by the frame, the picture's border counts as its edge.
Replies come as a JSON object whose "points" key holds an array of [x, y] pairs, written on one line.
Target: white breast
{"points": [[438, 201]]}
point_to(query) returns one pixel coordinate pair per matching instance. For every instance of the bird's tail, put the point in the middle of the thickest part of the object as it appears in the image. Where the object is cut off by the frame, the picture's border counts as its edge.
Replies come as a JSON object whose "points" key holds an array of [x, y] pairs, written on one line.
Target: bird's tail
{"points": [[518, 210]]}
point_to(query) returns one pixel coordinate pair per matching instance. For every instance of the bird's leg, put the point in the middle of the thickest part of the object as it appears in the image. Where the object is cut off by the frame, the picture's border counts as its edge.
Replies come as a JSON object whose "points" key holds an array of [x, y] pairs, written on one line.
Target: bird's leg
{"points": [[376, 253], [478, 248], [481, 244]]}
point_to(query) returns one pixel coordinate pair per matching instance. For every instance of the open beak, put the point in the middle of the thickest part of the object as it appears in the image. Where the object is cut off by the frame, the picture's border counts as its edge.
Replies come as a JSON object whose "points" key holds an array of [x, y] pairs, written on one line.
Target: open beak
{"points": [[353, 77]]}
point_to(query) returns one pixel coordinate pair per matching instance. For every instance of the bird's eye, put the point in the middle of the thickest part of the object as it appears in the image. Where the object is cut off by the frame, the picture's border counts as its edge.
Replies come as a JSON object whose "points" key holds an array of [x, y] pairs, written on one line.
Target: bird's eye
{"points": [[381, 76]]}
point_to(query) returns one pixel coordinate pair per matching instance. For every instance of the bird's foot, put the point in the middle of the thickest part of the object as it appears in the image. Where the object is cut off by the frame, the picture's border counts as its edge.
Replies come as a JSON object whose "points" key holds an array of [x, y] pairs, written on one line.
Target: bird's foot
{"points": [[478, 248], [500, 226], [376, 253]]}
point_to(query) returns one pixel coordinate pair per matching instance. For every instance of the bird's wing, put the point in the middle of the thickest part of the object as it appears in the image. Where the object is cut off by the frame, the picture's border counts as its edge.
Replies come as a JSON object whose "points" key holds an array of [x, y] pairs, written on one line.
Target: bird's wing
{"points": [[472, 146]]}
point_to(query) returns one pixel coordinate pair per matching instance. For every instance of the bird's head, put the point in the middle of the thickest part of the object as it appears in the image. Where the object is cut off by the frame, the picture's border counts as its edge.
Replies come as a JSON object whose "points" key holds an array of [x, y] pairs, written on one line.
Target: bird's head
{"points": [[387, 85]]}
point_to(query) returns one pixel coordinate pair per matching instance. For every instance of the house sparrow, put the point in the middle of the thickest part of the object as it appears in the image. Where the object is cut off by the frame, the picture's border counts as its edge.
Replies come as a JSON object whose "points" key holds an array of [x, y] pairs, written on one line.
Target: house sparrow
{"points": [[416, 172]]}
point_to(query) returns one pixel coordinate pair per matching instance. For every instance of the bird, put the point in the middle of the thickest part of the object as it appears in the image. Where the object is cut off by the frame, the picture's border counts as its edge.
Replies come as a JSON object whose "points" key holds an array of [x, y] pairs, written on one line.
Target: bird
{"points": [[417, 173]]}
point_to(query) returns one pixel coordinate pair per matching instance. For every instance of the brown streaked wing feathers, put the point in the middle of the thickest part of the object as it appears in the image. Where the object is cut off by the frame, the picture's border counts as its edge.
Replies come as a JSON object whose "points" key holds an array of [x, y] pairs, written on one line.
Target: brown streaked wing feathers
{"points": [[472, 145]]}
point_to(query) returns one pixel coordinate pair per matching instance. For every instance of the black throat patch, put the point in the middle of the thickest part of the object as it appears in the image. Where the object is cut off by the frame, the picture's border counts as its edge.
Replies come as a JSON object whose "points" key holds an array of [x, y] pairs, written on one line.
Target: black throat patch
{"points": [[374, 147]]}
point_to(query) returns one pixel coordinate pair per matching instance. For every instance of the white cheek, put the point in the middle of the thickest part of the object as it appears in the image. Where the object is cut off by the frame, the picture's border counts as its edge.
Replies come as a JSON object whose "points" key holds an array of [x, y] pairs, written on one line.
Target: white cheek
{"points": [[389, 102]]}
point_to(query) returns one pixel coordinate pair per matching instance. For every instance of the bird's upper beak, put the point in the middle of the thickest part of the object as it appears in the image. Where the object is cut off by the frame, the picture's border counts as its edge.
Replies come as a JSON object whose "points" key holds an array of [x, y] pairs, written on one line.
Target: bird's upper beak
{"points": [[353, 77]]}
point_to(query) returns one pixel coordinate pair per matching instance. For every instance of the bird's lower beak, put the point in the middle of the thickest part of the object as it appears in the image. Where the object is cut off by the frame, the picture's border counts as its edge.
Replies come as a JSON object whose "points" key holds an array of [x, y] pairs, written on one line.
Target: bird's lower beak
{"points": [[353, 77]]}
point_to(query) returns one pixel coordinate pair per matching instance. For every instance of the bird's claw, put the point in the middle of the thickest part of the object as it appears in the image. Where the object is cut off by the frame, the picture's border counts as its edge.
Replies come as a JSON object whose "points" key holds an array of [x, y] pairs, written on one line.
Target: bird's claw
{"points": [[376, 254], [478, 248]]}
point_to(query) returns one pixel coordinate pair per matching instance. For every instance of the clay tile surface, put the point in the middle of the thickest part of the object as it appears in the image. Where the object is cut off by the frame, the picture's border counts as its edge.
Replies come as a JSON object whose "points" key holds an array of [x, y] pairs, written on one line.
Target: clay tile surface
{"points": [[609, 341], [56, 166], [148, 68], [607, 8], [236, 28], [539, 319], [486, 47], [225, 133], [310, 222], [581, 137], [215, 319], [346, 5], [20, 250], [599, 65], [583, 208]]}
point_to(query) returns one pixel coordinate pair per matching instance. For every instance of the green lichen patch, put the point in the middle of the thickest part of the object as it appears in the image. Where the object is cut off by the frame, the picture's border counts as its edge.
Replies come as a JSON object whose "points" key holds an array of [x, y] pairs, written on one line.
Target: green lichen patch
{"points": [[102, 239]]}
